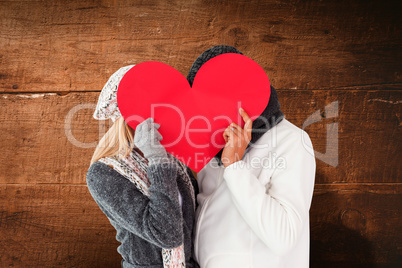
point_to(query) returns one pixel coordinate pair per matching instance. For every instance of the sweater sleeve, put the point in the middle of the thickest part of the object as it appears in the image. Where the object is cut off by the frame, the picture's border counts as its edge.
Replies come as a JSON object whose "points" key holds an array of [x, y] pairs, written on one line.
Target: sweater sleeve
{"points": [[157, 218], [277, 213], [193, 182]]}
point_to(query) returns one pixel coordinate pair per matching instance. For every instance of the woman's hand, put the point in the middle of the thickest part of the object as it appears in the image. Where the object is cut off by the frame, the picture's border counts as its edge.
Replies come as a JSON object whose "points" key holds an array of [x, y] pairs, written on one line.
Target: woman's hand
{"points": [[237, 140], [147, 139]]}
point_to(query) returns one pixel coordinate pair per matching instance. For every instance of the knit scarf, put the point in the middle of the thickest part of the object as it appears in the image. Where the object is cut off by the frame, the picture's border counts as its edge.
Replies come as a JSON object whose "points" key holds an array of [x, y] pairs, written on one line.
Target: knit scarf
{"points": [[134, 168]]}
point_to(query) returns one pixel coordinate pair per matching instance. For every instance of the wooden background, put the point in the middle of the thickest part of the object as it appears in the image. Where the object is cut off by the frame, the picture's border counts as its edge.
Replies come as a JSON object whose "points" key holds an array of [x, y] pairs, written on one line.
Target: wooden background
{"points": [[56, 56]]}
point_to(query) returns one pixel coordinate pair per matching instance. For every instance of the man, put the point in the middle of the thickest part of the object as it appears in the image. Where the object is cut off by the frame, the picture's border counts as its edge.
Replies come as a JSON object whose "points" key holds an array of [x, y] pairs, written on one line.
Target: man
{"points": [[255, 194]]}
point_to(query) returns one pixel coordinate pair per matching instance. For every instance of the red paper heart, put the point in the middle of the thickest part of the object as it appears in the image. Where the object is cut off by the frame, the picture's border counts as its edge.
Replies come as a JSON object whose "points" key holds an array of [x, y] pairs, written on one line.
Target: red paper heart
{"points": [[193, 118]]}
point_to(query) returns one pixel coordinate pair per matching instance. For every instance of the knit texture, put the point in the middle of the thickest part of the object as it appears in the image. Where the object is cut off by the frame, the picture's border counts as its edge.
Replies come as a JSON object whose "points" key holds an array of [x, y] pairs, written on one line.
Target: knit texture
{"points": [[144, 224], [106, 108], [271, 115]]}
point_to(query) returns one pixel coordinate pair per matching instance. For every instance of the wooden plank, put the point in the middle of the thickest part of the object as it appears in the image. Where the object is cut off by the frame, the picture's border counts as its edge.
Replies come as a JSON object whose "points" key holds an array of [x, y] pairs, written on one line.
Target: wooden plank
{"points": [[368, 125], [38, 150], [54, 226], [61, 225], [356, 225], [76, 45]]}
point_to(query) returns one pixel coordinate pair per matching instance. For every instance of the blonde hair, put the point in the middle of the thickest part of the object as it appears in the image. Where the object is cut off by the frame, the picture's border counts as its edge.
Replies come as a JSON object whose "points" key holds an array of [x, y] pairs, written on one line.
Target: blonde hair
{"points": [[119, 138]]}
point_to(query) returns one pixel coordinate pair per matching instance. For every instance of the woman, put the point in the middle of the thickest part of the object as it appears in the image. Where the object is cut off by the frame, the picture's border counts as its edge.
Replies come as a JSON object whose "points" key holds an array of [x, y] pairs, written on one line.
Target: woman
{"points": [[146, 193]]}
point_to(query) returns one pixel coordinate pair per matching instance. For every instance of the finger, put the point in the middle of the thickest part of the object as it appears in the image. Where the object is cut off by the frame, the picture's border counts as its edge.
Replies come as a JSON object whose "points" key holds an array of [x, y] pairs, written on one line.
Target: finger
{"points": [[236, 132], [226, 136], [248, 128], [156, 125], [248, 123], [228, 133], [158, 135], [138, 137], [139, 127], [148, 122], [155, 135], [236, 128], [244, 115], [248, 131], [143, 126], [232, 133]]}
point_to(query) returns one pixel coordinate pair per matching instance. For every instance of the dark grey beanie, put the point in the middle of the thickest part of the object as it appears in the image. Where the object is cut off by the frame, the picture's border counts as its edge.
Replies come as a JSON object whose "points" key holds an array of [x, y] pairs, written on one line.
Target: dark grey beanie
{"points": [[272, 114]]}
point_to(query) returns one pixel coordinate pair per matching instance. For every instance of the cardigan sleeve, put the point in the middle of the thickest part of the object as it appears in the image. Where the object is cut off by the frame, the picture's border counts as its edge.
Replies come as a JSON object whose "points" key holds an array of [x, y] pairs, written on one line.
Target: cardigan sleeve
{"points": [[186, 171], [157, 218], [276, 213], [193, 182]]}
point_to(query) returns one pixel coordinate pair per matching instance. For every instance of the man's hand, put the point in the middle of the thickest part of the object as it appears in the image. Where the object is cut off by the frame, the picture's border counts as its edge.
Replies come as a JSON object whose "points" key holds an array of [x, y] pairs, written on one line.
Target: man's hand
{"points": [[237, 140]]}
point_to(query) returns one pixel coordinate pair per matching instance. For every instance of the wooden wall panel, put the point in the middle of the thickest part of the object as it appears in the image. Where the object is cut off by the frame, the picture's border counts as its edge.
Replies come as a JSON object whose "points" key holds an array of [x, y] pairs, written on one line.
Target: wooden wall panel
{"points": [[56, 56], [54, 226], [61, 226], [368, 134], [73, 45], [355, 225]]}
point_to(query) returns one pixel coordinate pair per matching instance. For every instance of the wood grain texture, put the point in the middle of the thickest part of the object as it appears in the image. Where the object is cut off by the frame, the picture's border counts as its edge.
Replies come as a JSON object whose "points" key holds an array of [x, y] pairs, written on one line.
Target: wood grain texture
{"points": [[74, 45], [54, 226], [337, 68], [356, 225], [368, 150], [61, 226]]}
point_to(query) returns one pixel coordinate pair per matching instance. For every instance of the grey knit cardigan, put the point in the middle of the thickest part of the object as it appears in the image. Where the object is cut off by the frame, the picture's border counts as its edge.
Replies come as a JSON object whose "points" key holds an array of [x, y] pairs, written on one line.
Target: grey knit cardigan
{"points": [[146, 225]]}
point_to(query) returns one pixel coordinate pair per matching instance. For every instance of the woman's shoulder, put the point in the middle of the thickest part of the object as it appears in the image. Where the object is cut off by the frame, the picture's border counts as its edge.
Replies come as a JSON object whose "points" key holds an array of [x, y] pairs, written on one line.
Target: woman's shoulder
{"points": [[99, 168], [101, 175], [105, 183]]}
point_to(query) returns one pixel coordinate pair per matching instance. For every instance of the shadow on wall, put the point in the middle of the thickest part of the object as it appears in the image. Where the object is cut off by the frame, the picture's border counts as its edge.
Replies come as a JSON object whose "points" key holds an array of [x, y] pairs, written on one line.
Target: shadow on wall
{"points": [[337, 246], [337, 230]]}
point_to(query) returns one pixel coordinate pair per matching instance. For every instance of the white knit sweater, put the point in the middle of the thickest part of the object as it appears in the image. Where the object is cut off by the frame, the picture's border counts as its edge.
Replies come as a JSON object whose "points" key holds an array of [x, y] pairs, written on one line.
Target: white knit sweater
{"points": [[255, 212]]}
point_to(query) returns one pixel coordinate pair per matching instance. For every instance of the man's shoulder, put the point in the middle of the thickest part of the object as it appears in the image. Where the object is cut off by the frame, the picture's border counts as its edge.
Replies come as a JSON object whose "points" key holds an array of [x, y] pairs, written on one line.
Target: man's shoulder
{"points": [[289, 133], [288, 127], [287, 136]]}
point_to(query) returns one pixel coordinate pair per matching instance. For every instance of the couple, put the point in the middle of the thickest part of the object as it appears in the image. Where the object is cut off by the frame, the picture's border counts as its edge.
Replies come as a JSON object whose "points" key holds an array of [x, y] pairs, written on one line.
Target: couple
{"points": [[249, 206]]}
